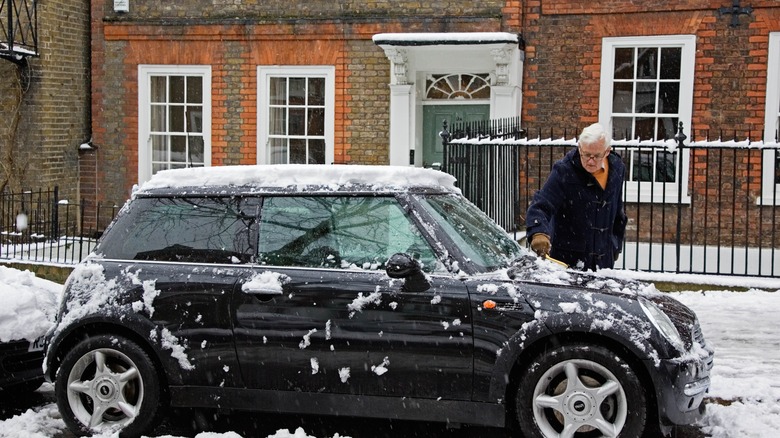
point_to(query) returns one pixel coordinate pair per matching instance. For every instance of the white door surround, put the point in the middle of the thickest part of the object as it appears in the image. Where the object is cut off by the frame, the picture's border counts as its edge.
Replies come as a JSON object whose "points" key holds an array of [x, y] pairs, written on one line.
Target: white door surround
{"points": [[414, 56]]}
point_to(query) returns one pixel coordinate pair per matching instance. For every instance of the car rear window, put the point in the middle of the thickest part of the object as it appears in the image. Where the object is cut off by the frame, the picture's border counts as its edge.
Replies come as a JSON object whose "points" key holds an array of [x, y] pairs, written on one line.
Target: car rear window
{"points": [[201, 230]]}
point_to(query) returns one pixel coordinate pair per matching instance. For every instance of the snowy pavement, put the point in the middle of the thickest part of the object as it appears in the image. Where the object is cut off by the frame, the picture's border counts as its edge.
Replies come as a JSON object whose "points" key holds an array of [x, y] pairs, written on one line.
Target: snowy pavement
{"points": [[743, 402]]}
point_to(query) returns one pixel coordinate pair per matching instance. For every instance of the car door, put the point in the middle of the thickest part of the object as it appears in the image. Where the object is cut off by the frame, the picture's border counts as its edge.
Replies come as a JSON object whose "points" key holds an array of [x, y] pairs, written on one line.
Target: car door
{"points": [[182, 256], [321, 315]]}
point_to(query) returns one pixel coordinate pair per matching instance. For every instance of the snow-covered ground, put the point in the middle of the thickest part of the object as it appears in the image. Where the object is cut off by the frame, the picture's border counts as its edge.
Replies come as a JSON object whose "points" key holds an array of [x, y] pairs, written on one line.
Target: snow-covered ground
{"points": [[741, 326]]}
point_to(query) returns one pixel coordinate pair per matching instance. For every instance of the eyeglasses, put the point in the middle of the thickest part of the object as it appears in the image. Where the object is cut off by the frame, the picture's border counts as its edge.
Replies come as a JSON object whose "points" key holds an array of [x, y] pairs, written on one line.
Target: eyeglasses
{"points": [[588, 157]]}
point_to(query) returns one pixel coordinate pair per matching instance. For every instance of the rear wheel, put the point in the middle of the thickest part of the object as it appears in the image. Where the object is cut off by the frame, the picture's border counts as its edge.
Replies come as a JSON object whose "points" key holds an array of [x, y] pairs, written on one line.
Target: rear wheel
{"points": [[580, 391], [108, 383]]}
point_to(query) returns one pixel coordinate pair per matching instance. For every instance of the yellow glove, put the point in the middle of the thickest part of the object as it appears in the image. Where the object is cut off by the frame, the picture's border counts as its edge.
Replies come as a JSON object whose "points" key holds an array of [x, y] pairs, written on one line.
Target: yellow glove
{"points": [[540, 243]]}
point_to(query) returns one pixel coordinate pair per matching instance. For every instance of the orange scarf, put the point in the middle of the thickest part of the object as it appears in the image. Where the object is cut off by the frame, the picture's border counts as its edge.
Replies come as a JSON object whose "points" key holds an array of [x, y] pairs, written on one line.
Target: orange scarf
{"points": [[602, 174]]}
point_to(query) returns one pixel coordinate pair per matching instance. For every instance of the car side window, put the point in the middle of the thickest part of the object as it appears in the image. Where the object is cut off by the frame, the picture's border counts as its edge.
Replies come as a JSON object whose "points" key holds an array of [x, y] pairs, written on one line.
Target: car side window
{"points": [[197, 230], [347, 232]]}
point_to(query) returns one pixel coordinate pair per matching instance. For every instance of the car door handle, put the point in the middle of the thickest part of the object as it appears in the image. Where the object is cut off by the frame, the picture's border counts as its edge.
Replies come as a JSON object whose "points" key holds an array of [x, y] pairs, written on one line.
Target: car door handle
{"points": [[260, 290]]}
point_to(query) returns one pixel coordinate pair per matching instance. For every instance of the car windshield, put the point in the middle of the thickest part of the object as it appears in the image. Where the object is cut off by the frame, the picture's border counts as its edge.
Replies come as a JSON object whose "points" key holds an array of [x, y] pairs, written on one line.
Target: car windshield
{"points": [[480, 239]]}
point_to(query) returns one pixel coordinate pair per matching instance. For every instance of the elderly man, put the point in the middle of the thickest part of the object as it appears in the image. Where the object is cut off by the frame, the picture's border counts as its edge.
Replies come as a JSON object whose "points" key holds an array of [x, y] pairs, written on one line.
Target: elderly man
{"points": [[578, 216]]}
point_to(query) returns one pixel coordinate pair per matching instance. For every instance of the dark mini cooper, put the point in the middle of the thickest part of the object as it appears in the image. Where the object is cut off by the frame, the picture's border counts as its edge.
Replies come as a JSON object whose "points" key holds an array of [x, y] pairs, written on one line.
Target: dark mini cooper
{"points": [[365, 291]]}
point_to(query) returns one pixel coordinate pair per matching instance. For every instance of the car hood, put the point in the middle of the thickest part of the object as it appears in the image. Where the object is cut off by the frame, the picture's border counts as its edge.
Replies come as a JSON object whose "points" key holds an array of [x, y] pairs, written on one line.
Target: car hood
{"points": [[574, 286]]}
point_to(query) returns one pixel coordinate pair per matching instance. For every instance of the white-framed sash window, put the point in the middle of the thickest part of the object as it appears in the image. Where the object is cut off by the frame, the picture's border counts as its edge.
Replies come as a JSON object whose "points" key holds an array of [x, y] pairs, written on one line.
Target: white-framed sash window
{"points": [[295, 115], [646, 91], [174, 118]]}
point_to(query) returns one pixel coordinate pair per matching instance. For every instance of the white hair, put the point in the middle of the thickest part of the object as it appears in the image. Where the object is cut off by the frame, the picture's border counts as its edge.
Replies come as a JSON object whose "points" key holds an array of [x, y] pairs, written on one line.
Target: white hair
{"points": [[592, 134]]}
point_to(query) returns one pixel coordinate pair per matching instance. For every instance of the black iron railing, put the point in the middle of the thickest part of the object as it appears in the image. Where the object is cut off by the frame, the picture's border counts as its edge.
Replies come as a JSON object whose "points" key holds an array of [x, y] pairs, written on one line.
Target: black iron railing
{"points": [[38, 226], [693, 206]]}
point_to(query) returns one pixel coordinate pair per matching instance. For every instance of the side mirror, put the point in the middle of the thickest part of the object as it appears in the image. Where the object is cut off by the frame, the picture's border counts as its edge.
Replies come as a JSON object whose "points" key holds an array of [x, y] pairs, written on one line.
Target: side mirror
{"points": [[401, 265]]}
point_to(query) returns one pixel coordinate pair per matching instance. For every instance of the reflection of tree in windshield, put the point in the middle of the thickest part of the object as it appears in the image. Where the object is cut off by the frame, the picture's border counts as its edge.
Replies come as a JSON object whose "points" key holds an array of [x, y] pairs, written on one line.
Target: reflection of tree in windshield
{"points": [[482, 241], [333, 231]]}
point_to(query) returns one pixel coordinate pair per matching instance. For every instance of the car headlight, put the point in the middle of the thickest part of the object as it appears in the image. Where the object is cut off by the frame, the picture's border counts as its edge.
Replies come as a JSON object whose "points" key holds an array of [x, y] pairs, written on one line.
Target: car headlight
{"points": [[662, 323]]}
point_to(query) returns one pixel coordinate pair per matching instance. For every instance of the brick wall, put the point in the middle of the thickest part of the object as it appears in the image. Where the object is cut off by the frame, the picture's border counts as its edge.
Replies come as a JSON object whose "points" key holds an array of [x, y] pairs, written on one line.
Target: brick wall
{"points": [[563, 58], [55, 114], [252, 10], [234, 37]]}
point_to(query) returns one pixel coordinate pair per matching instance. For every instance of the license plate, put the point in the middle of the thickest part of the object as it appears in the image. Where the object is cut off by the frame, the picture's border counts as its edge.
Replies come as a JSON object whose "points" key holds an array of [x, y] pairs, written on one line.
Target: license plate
{"points": [[36, 345]]}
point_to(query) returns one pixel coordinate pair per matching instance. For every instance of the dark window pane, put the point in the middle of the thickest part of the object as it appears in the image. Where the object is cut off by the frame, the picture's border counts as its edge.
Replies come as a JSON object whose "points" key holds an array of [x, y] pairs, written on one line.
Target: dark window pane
{"points": [[194, 119], [194, 89], [316, 151], [297, 91], [278, 94], [644, 128], [316, 121], [176, 116], [622, 128], [665, 168], [317, 91], [645, 97], [297, 151], [184, 230], [297, 231], [297, 121], [196, 150], [667, 128], [647, 64], [669, 98], [622, 97], [338, 232], [643, 166], [671, 58], [176, 90], [178, 148], [624, 63], [777, 167]]}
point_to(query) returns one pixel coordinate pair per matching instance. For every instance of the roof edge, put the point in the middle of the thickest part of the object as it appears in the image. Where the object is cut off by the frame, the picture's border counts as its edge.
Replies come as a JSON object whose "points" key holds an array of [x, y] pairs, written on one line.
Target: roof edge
{"points": [[445, 38]]}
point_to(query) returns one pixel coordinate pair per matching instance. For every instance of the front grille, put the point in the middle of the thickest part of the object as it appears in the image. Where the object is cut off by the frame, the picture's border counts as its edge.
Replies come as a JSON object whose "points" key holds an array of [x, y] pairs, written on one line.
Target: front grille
{"points": [[14, 357]]}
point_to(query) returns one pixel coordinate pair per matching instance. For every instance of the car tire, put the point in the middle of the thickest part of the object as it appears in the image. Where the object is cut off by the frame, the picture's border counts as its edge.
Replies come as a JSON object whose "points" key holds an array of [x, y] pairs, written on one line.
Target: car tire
{"points": [[108, 383], [605, 399]]}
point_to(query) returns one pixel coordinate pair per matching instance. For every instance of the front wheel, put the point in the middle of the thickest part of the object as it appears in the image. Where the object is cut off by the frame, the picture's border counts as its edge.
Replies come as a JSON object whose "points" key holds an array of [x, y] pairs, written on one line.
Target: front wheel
{"points": [[108, 383], [580, 391]]}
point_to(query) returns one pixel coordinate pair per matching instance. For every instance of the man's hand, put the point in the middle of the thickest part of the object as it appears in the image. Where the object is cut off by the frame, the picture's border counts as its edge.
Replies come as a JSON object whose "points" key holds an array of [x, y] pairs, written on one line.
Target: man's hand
{"points": [[540, 243]]}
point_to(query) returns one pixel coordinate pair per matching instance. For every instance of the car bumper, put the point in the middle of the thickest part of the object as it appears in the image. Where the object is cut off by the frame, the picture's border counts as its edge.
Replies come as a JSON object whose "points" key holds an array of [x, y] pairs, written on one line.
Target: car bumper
{"points": [[681, 386]]}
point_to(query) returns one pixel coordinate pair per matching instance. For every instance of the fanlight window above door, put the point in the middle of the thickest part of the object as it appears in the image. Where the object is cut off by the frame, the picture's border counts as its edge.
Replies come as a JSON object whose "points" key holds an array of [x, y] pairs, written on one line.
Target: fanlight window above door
{"points": [[457, 86]]}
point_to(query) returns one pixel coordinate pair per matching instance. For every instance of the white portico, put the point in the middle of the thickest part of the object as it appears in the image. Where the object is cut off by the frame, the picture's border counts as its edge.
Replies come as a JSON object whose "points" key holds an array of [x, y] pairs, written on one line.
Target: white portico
{"points": [[447, 76]]}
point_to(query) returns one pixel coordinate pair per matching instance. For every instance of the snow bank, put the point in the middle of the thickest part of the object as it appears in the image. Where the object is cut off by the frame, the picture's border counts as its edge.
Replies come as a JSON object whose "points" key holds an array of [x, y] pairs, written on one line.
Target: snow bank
{"points": [[29, 304]]}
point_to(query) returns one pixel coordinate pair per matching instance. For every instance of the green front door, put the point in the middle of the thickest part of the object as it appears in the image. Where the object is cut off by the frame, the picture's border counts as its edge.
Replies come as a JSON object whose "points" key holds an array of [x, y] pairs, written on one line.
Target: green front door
{"points": [[434, 116]]}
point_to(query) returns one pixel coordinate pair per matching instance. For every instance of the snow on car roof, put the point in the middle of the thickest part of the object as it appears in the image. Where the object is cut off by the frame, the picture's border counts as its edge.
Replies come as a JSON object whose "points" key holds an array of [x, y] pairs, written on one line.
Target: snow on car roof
{"points": [[327, 176]]}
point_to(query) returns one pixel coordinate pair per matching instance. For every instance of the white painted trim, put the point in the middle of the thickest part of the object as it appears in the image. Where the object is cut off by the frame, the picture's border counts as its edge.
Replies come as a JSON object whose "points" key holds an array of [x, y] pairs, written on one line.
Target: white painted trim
{"points": [[637, 191], [770, 192], [265, 72], [145, 72], [469, 53], [401, 109]]}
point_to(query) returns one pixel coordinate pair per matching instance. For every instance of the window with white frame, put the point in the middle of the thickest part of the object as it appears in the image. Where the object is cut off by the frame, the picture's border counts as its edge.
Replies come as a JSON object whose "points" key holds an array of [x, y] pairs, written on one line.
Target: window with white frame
{"points": [[295, 114], [174, 109], [646, 91], [770, 180]]}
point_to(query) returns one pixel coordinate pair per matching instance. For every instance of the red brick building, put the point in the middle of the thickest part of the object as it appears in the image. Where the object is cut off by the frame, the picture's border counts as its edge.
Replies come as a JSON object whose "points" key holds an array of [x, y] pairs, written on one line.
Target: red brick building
{"points": [[369, 81]]}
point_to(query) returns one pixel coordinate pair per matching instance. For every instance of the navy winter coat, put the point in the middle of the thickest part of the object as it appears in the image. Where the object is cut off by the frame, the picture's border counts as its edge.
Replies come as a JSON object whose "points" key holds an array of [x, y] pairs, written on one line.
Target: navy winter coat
{"points": [[585, 222]]}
